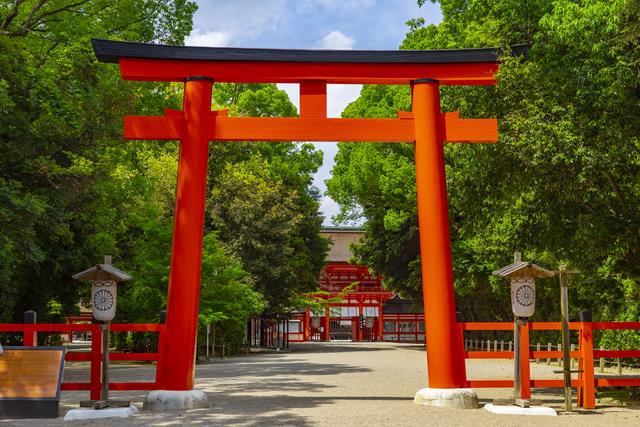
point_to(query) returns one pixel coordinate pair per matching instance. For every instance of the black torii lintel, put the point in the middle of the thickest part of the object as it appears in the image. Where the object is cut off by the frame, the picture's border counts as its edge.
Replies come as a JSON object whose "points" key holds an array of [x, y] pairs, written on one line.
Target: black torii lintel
{"points": [[111, 51]]}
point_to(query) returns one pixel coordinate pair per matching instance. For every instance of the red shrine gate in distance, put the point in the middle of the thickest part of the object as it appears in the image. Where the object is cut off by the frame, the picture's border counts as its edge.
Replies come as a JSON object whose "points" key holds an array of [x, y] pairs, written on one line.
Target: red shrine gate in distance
{"points": [[358, 307], [358, 296], [195, 125]]}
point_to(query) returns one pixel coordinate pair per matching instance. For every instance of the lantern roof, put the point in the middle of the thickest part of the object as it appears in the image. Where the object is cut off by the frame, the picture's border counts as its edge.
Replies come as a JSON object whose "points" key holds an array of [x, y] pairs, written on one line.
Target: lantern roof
{"points": [[104, 271], [519, 268]]}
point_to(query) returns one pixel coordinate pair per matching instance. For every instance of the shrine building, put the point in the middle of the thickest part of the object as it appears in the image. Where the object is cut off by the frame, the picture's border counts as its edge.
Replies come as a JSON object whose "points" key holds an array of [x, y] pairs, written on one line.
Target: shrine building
{"points": [[359, 308]]}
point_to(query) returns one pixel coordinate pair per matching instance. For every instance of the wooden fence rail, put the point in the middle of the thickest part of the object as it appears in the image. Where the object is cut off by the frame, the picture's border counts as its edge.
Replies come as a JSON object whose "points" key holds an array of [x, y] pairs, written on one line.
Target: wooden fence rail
{"points": [[584, 355], [30, 332]]}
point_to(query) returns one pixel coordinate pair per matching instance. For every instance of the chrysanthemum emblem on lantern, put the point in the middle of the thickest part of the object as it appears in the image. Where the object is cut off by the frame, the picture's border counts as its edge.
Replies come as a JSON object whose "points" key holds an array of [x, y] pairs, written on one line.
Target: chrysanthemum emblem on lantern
{"points": [[523, 295], [103, 299]]}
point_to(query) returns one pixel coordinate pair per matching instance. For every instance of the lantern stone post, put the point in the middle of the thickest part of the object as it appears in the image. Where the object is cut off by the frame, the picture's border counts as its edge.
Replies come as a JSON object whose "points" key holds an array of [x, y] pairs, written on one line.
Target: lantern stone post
{"points": [[104, 280], [522, 275]]}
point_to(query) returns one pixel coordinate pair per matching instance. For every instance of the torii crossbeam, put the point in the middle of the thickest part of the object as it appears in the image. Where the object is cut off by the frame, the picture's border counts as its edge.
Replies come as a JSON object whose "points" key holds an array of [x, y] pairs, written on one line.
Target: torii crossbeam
{"points": [[194, 126]]}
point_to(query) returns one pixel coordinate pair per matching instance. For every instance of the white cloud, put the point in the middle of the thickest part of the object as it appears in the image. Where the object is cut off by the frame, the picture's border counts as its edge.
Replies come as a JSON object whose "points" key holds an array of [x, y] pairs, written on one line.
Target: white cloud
{"points": [[337, 40], [329, 208], [339, 96], [242, 19], [293, 90], [211, 38]]}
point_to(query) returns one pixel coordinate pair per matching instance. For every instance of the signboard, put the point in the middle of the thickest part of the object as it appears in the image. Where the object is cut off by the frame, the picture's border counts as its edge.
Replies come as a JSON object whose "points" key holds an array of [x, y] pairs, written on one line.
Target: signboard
{"points": [[30, 379]]}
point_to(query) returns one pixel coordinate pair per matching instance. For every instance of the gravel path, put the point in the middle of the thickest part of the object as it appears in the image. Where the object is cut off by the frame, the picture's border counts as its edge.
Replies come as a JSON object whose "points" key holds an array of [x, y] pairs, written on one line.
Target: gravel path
{"points": [[337, 384]]}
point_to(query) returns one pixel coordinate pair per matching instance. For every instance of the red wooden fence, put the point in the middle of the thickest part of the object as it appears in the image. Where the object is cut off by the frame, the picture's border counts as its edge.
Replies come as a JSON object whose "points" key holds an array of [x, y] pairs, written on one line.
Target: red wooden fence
{"points": [[586, 382], [30, 331]]}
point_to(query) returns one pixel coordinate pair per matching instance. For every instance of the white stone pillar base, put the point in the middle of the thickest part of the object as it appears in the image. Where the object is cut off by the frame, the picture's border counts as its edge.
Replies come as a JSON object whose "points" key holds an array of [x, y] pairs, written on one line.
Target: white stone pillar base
{"points": [[169, 400], [516, 410], [461, 398], [94, 414]]}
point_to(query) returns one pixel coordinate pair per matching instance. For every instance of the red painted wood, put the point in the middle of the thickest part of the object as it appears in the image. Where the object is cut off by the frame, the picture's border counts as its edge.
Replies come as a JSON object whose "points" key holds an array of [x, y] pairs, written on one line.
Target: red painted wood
{"points": [[612, 354], [309, 128], [525, 368], [553, 326], [552, 383], [75, 356], [469, 130], [487, 326], [489, 354], [313, 99], [179, 345], [617, 382], [586, 390], [445, 356], [95, 376], [616, 325], [138, 385], [480, 73], [75, 386]]}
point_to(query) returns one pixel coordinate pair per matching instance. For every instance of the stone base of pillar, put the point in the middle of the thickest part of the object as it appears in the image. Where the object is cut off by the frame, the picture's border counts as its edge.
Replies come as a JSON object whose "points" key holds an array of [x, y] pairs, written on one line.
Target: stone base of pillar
{"points": [[168, 400], [462, 398], [95, 414], [516, 410]]}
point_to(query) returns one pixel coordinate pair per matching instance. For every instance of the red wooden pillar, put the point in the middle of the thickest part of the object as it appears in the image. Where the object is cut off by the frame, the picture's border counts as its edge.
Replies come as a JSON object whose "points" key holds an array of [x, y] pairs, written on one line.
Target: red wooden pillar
{"points": [[380, 323], [313, 98], [327, 324], [307, 324], [587, 388], [360, 319], [444, 355], [525, 368], [95, 378], [178, 353]]}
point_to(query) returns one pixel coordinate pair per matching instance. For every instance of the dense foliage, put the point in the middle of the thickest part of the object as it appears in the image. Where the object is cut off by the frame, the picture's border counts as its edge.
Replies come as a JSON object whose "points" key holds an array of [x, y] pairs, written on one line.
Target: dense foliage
{"points": [[72, 191], [59, 124], [562, 185]]}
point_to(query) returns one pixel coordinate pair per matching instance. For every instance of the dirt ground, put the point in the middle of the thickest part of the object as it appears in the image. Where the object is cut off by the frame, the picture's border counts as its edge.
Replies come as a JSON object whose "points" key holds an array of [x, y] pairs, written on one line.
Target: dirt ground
{"points": [[335, 384]]}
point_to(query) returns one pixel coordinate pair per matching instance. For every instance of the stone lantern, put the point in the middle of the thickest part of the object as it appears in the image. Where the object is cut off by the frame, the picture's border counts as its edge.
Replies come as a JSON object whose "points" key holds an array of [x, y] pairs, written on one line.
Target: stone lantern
{"points": [[522, 275], [104, 289], [104, 280]]}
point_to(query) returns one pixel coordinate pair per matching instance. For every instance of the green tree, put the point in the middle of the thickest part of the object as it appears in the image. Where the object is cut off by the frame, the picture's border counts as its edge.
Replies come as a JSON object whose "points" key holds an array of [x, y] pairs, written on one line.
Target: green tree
{"points": [[561, 184], [61, 112], [262, 202]]}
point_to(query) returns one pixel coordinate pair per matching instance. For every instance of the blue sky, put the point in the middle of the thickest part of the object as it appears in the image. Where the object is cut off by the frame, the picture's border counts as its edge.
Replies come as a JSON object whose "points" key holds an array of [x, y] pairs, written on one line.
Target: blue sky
{"points": [[310, 24]]}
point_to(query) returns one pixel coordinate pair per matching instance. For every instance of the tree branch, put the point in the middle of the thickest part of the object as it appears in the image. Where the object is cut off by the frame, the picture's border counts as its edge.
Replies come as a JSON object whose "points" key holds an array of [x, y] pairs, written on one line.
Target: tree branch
{"points": [[11, 15], [26, 24], [617, 190], [67, 8]]}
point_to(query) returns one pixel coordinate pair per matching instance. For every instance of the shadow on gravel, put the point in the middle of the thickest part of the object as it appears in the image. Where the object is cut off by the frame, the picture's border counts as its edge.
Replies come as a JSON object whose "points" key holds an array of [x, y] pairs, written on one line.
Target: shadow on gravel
{"points": [[236, 409], [350, 347], [264, 367]]}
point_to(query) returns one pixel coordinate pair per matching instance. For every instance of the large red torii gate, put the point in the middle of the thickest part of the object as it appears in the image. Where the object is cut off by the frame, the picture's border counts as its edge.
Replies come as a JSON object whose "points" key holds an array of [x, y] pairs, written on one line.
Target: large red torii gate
{"points": [[194, 126]]}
